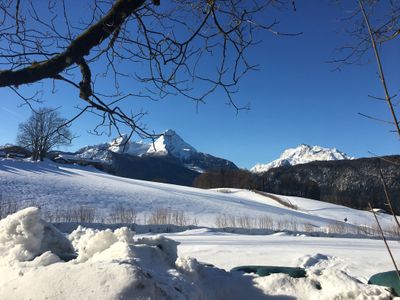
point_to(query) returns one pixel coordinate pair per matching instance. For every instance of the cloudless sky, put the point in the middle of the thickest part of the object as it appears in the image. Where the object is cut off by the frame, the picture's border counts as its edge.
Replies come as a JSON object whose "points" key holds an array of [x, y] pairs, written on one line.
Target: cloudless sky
{"points": [[295, 98]]}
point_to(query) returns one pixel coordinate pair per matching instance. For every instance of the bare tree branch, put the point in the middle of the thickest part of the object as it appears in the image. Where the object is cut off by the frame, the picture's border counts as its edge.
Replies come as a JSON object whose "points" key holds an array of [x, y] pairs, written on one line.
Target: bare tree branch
{"points": [[79, 48], [140, 49], [380, 68]]}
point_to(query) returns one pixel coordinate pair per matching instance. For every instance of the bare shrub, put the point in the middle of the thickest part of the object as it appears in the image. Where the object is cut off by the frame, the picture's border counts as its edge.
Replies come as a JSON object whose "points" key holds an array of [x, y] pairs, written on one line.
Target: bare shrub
{"points": [[85, 214], [9, 204], [7, 207], [79, 214], [282, 224], [121, 214], [195, 221], [308, 227], [164, 216], [245, 222], [179, 218], [221, 221], [393, 231], [292, 225], [265, 222], [231, 221], [159, 216], [337, 227]]}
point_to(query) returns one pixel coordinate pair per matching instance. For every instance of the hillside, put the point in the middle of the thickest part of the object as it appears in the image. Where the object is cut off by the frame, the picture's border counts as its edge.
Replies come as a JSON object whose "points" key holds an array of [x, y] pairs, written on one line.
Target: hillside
{"points": [[117, 264], [347, 182], [54, 186]]}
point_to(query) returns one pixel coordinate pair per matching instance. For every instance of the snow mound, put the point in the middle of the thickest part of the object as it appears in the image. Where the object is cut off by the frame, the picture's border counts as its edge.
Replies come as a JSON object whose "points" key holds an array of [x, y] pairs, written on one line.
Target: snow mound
{"points": [[101, 245], [325, 284], [24, 236], [301, 155], [117, 265]]}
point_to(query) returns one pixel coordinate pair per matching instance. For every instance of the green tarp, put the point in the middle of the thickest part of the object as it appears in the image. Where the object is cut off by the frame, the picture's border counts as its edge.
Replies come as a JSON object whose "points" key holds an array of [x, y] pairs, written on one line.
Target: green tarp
{"points": [[389, 279], [268, 270]]}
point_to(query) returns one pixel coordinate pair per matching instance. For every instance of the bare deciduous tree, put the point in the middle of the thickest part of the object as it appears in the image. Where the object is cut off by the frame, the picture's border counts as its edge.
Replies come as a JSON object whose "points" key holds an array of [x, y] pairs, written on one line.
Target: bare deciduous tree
{"points": [[112, 50], [43, 131]]}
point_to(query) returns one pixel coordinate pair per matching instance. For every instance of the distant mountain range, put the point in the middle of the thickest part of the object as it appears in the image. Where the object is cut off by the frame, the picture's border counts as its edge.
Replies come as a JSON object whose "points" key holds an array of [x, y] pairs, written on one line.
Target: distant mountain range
{"points": [[168, 145], [301, 155], [169, 159]]}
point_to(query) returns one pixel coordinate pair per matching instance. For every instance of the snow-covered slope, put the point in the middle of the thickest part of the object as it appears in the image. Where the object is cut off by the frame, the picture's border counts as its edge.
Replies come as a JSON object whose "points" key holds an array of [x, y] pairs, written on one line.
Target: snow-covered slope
{"points": [[55, 186], [301, 155], [119, 265]]}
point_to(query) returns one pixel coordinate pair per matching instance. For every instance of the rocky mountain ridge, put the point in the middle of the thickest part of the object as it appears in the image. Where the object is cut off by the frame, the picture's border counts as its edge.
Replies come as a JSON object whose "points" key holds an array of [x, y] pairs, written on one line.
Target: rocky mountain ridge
{"points": [[169, 159], [300, 155]]}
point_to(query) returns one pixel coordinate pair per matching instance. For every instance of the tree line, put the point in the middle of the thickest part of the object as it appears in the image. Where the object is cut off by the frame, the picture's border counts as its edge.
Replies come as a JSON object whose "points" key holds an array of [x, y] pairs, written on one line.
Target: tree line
{"points": [[353, 183]]}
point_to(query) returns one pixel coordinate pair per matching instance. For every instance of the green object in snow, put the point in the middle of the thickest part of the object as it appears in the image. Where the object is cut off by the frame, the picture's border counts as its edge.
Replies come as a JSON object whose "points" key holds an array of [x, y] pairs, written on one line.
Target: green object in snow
{"points": [[268, 270], [389, 279]]}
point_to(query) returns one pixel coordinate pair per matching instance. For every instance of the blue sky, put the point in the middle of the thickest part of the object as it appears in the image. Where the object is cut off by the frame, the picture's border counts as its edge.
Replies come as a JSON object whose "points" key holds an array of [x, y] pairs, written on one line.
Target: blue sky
{"points": [[295, 98]]}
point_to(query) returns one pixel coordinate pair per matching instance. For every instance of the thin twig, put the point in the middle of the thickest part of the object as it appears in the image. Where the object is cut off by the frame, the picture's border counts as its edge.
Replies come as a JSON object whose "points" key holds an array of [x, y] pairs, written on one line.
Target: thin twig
{"points": [[380, 68]]}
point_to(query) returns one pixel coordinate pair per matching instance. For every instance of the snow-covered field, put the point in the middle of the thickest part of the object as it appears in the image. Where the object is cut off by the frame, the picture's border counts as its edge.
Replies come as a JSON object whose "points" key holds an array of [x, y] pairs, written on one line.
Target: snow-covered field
{"points": [[121, 265], [52, 186]]}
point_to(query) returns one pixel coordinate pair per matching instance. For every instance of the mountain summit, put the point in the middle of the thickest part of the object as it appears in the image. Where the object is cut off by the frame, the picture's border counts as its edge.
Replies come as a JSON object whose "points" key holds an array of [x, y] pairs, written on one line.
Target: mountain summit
{"points": [[171, 143], [300, 155], [168, 159]]}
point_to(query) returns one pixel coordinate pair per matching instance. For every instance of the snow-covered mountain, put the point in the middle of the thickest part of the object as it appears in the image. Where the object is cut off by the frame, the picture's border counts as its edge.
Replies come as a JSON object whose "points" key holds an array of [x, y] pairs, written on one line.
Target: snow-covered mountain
{"points": [[134, 159], [300, 155], [103, 152], [171, 143]]}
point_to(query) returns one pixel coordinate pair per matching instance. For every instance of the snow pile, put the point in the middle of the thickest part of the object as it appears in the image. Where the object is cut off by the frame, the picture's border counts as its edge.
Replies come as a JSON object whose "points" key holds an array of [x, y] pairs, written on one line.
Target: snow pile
{"points": [[101, 245], [115, 265], [301, 155], [324, 284], [23, 236], [323, 281]]}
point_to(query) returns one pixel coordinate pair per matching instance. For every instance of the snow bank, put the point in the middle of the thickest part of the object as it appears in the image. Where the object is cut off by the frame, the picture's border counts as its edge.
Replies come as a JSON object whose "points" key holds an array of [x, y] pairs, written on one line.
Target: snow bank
{"points": [[321, 283], [97, 245], [24, 236], [118, 265]]}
